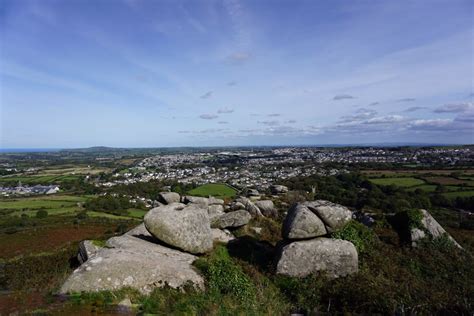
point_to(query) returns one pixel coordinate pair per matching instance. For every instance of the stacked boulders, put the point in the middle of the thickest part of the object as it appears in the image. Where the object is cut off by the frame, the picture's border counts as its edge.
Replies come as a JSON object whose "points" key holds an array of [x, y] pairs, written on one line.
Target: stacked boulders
{"points": [[307, 248], [278, 189], [256, 209], [159, 252]]}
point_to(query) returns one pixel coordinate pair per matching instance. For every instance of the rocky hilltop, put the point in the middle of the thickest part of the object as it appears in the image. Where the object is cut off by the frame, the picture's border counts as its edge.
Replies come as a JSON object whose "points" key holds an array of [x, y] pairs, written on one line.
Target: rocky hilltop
{"points": [[162, 250]]}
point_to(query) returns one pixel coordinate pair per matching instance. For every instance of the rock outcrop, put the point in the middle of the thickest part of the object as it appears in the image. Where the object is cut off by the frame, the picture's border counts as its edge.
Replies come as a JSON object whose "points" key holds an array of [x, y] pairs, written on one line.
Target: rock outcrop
{"points": [[135, 260], [169, 197], [186, 227], [302, 223], [221, 235], [305, 250], [278, 189], [215, 211], [431, 228], [201, 201], [267, 208], [333, 256], [232, 219]]}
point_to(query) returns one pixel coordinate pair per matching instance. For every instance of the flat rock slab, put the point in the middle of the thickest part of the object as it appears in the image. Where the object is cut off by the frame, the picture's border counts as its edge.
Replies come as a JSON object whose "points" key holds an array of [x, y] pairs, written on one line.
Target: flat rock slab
{"points": [[432, 227], [232, 219], [133, 260], [336, 257], [334, 216]]}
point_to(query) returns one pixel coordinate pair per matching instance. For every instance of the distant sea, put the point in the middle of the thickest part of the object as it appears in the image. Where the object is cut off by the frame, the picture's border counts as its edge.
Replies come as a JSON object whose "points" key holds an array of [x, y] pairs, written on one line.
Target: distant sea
{"points": [[28, 150]]}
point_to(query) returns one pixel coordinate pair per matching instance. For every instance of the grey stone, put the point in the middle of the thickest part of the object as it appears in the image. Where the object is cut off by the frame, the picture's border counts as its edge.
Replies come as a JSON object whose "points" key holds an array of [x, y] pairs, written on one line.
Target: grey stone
{"points": [[201, 201], [334, 216], [183, 226], [237, 206], [232, 219], [214, 201], [86, 250], [215, 211], [168, 197], [267, 208], [302, 223], [336, 257], [432, 227], [221, 235], [136, 261], [278, 189], [249, 206]]}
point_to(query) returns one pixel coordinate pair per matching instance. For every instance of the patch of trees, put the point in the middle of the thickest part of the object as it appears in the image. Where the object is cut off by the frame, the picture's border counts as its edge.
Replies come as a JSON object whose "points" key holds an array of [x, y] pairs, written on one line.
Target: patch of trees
{"points": [[109, 204]]}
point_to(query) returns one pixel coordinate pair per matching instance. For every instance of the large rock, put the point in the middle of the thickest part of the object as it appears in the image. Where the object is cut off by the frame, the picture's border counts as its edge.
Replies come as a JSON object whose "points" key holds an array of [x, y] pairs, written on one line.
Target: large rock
{"points": [[431, 227], [336, 257], [134, 260], [168, 197], [249, 206], [201, 201], [278, 189], [215, 211], [267, 208], [183, 226], [232, 219], [333, 215], [302, 223]]}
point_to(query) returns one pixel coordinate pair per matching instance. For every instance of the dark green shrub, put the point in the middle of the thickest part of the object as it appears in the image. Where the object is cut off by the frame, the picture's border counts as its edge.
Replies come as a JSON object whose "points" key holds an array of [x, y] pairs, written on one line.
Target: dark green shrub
{"points": [[224, 277], [414, 217], [42, 214], [361, 236]]}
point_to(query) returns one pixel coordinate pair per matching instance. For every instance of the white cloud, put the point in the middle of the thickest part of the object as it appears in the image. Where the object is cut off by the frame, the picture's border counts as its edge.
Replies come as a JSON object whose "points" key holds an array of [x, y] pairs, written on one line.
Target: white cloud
{"points": [[208, 116]]}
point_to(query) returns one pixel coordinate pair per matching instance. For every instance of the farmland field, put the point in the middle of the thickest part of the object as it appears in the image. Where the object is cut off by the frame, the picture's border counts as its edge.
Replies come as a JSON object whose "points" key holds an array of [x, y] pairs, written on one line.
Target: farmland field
{"points": [[402, 182], [448, 181], [214, 189], [39, 179], [453, 195]]}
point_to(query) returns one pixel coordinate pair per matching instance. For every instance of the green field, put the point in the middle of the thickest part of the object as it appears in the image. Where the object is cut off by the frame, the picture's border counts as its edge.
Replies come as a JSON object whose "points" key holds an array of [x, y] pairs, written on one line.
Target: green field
{"points": [[57, 205], [214, 189], [46, 179], [453, 195], [401, 182], [424, 187]]}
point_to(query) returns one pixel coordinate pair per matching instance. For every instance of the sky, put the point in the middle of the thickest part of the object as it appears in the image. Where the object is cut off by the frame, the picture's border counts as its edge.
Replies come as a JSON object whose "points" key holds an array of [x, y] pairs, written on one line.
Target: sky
{"points": [[153, 73]]}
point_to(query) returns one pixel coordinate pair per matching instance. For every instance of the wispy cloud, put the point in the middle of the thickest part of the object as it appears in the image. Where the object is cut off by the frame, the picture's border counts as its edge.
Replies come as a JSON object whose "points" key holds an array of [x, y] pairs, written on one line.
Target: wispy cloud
{"points": [[269, 123], [238, 58], [232, 83], [222, 122], [406, 100], [290, 121], [274, 114], [415, 108], [374, 103], [343, 97], [225, 110], [208, 116], [207, 95], [454, 108]]}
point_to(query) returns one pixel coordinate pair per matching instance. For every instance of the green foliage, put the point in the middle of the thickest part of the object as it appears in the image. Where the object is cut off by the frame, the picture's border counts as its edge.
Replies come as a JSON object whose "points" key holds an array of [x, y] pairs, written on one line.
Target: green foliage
{"points": [[213, 189], [414, 217], [362, 237], [224, 277], [99, 243], [42, 214], [305, 293]]}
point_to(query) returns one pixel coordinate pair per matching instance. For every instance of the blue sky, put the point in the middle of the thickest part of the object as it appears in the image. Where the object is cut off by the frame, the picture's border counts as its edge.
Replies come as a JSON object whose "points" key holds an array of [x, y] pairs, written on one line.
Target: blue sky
{"points": [[142, 73]]}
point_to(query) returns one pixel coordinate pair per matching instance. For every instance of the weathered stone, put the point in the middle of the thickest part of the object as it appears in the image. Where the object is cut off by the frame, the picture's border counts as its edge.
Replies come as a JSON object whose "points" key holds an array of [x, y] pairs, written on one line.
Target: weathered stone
{"points": [[432, 227], [267, 208], [201, 201], [134, 260], [168, 197], [221, 235], [215, 211], [336, 257], [253, 192], [278, 189], [86, 250], [232, 219], [334, 216], [302, 223], [237, 206], [183, 226], [213, 201], [249, 206]]}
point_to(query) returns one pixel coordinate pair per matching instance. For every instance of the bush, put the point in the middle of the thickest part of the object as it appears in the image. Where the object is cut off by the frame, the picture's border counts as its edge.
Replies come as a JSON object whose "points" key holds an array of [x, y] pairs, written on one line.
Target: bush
{"points": [[42, 214], [362, 237], [414, 217], [224, 277]]}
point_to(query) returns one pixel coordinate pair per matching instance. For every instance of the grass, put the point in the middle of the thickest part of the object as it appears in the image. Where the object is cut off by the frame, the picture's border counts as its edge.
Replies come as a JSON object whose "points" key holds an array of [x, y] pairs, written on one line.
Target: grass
{"points": [[453, 195], [214, 189], [45, 179], [401, 182], [448, 181]]}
